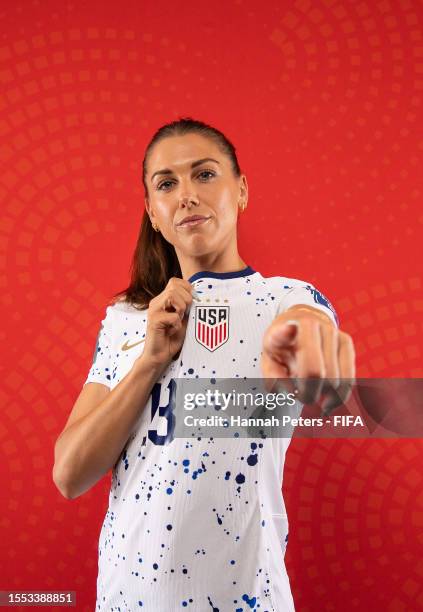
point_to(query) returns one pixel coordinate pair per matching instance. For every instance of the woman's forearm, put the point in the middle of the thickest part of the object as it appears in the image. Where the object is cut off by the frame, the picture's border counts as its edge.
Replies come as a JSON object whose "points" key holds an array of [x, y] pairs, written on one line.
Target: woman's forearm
{"points": [[86, 450]]}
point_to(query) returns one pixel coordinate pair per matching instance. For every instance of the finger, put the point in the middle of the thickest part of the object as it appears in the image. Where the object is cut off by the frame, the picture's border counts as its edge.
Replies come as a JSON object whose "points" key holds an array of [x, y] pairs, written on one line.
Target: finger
{"points": [[277, 360], [331, 382], [309, 361], [175, 281], [182, 284], [273, 372], [279, 365], [346, 359], [188, 294], [330, 340], [172, 322], [287, 384], [173, 302], [164, 319], [279, 339]]}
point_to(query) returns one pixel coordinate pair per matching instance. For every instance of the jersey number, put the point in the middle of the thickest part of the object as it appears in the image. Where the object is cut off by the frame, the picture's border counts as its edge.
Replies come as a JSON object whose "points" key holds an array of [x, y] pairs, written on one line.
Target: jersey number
{"points": [[164, 411]]}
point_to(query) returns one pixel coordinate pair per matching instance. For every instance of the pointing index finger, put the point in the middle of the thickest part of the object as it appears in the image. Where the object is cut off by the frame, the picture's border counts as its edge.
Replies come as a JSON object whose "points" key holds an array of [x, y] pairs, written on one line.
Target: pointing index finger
{"points": [[310, 361]]}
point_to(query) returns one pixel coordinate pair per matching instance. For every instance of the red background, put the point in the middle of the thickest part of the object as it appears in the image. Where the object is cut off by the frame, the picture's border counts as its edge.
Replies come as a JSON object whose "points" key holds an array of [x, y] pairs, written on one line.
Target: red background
{"points": [[322, 100]]}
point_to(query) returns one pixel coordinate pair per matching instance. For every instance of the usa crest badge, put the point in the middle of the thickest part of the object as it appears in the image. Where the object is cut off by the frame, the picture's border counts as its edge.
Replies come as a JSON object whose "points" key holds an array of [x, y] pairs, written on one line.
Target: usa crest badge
{"points": [[212, 326]]}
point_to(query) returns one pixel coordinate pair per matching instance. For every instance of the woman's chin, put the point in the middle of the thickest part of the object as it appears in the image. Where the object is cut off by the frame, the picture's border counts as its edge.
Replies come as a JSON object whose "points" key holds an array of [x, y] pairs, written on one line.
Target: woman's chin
{"points": [[196, 246]]}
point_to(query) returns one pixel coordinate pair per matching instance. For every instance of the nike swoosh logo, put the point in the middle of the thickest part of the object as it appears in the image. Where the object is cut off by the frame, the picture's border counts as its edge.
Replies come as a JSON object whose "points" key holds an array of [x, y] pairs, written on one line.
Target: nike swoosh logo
{"points": [[126, 346]]}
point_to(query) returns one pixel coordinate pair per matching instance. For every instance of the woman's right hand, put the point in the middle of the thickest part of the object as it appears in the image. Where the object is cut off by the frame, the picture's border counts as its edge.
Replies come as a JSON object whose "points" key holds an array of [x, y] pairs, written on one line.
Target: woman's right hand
{"points": [[167, 320]]}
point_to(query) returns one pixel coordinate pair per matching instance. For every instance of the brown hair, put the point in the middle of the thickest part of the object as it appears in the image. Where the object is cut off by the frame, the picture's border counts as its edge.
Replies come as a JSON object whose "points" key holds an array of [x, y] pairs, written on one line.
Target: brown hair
{"points": [[154, 261]]}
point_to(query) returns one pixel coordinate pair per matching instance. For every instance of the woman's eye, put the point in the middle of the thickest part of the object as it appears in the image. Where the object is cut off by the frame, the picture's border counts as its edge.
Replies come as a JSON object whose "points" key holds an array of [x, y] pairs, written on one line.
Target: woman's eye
{"points": [[203, 172], [206, 172], [161, 184]]}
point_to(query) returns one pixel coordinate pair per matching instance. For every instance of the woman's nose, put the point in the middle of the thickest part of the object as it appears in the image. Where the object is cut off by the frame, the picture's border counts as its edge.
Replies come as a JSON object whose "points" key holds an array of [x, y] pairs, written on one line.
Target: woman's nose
{"points": [[188, 201]]}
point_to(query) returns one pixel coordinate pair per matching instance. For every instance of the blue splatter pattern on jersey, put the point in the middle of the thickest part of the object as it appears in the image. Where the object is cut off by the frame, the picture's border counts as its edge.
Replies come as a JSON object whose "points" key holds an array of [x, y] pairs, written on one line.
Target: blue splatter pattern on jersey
{"points": [[197, 523]]}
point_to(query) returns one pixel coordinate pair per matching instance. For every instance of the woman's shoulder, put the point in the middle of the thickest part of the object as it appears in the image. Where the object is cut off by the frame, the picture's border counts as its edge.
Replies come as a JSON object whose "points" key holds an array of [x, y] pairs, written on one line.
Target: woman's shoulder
{"points": [[297, 291], [285, 282], [122, 304]]}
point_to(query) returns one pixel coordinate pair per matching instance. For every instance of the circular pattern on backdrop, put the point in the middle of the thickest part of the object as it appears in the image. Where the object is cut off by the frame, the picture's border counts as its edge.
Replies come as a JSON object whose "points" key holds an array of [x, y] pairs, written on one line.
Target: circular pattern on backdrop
{"points": [[335, 88]]}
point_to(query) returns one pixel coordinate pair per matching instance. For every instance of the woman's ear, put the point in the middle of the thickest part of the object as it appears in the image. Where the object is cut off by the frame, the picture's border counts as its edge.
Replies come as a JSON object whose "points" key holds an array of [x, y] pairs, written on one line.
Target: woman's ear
{"points": [[244, 189], [148, 209]]}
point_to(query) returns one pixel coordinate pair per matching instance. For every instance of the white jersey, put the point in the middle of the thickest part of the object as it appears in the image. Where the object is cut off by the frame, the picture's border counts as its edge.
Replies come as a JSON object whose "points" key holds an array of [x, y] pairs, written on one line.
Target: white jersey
{"points": [[197, 524]]}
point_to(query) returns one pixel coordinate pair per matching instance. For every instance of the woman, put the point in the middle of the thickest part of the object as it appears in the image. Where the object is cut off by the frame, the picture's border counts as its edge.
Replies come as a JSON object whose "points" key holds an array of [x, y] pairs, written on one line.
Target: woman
{"points": [[194, 523]]}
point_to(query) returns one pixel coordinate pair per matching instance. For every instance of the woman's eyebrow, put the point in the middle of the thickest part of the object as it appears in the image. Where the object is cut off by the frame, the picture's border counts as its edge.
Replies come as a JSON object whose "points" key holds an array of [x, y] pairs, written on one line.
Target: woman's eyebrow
{"points": [[193, 165]]}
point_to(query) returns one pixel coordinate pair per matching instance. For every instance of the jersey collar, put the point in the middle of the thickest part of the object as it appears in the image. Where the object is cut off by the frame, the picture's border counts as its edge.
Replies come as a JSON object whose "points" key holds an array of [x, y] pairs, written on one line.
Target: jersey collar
{"points": [[206, 274]]}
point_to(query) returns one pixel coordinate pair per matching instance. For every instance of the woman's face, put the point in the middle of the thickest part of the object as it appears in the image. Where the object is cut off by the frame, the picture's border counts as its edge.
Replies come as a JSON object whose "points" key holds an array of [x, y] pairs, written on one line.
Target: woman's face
{"points": [[209, 189]]}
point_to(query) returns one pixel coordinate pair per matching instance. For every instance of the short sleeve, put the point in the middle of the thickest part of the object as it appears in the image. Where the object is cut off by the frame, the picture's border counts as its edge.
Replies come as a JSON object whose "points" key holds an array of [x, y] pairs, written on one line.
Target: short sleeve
{"points": [[306, 293], [100, 371]]}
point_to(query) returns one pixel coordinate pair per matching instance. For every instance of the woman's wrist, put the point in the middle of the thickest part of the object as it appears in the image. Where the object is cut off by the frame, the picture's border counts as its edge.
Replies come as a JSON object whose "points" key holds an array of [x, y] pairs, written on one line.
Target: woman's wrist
{"points": [[147, 367]]}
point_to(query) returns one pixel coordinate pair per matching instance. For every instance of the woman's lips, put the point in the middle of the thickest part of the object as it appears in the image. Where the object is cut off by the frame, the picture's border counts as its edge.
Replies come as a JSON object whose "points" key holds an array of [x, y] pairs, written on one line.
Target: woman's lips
{"points": [[195, 222]]}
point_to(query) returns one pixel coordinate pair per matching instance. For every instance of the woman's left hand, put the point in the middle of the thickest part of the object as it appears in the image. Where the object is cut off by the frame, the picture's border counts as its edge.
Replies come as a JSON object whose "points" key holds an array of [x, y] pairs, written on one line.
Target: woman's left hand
{"points": [[304, 344]]}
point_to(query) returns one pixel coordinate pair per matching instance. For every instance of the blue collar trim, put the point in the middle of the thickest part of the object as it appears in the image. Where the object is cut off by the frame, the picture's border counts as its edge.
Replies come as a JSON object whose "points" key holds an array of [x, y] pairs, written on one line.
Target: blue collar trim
{"points": [[205, 274]]}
